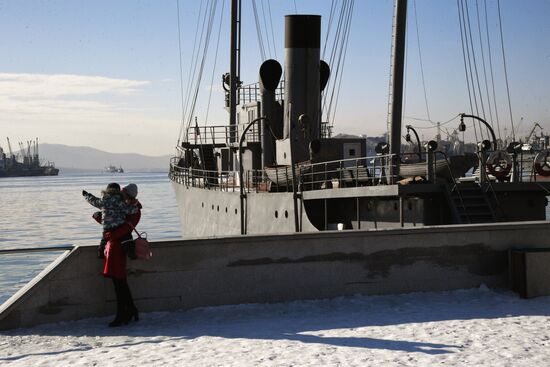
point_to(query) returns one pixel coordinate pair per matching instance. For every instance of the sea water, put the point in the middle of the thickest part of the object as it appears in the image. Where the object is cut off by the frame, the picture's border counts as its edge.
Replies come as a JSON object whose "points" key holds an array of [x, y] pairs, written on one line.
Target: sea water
{"points": [[51, 211]]}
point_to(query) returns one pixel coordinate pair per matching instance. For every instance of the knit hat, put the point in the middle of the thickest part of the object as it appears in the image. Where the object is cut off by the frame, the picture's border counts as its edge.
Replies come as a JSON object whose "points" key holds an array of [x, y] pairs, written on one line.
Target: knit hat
{"points": [[113, 186], [131, 190]]}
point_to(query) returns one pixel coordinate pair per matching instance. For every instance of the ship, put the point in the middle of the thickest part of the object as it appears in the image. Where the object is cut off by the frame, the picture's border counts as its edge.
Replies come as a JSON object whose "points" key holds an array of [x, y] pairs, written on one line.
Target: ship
{"points": [[114, 169], [276, 169], [25, 163]]}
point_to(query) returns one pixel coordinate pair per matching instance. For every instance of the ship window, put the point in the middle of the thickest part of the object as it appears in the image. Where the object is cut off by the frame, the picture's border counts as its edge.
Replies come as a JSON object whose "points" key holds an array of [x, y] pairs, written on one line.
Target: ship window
{"points": [[226, 209], [203, 204], [286, 214], [218, 208], [352, 152], [235, 211], [276, 214], [212, 206]]}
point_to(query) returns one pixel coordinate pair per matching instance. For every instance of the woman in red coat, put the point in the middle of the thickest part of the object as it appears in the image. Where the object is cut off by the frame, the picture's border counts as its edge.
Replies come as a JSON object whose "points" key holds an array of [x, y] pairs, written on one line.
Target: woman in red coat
{"points": [[119, 244]]}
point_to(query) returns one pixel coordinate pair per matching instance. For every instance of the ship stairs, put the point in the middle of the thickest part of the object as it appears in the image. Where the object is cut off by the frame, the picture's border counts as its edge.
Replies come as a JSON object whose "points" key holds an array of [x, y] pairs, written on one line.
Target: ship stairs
{"points": [[470, 204]]}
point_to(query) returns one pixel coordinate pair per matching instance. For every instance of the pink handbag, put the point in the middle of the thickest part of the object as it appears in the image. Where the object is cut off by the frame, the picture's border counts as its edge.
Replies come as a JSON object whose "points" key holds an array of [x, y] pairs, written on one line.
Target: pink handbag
{"points": [[143, 250]]}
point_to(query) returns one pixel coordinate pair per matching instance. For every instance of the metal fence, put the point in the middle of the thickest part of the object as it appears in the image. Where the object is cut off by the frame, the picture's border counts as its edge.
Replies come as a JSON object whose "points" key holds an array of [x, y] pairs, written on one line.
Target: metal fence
{"points": [[368, 171]]}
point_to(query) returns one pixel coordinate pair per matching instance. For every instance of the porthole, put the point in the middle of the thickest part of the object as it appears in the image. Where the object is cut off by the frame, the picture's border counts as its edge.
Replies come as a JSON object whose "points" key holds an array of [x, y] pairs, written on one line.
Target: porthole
{"points": [[203, 204], [226, 209], [212, 206], [286, 214], [218, 208], [235, 211], [276, 214]]}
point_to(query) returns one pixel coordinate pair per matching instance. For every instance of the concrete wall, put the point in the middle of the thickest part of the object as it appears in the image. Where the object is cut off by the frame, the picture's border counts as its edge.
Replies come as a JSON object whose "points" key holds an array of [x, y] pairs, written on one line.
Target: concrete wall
{"points": [[191, 273]]}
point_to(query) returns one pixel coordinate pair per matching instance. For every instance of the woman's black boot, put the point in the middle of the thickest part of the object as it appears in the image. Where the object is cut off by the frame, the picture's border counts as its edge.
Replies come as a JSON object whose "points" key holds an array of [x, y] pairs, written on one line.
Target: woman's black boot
{"points": [[121, 317], [131, 310]]}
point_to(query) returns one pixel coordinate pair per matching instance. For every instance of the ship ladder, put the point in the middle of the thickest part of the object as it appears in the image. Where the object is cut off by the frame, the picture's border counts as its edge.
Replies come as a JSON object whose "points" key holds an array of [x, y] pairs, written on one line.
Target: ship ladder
{"points": [[470, 204]]}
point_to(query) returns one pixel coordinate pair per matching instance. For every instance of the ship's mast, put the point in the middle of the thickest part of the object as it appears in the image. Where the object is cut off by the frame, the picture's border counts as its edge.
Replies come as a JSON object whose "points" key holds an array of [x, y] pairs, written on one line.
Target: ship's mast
{"points": [[235, 64], [396, 99]]}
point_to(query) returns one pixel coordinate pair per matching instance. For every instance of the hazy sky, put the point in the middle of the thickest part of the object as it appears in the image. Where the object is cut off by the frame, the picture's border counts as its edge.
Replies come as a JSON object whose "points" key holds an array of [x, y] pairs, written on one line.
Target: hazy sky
{"points": [[106, 73]]}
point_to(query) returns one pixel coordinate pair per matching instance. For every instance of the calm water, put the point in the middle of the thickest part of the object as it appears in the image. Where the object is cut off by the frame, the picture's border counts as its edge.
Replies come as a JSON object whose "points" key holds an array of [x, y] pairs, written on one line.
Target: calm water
{"points": [[50, 211]]}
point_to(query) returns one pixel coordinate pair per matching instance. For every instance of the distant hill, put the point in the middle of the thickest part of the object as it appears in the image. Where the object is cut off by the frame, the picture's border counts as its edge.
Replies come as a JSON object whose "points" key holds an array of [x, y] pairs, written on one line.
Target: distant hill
{"points": [[91, 159]]}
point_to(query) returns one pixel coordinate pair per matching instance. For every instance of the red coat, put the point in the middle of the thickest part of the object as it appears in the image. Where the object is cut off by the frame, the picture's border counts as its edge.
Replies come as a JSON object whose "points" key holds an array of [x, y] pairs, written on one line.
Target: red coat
{"points": [[115, 259]]}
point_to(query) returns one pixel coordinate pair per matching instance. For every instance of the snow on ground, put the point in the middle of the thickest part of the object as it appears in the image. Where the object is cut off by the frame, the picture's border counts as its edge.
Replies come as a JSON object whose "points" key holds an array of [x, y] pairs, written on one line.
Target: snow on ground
{"points": [[477, 327]]}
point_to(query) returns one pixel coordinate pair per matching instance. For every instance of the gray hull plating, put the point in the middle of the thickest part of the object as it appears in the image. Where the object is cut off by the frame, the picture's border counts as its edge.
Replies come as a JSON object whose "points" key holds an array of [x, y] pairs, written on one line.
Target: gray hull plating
{"points": [[211, 213]]}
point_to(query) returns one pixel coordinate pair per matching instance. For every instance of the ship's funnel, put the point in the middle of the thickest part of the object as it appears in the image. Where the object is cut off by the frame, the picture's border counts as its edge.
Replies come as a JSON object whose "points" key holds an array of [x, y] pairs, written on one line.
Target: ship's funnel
{"points": [[302, 82], [270, 75]]}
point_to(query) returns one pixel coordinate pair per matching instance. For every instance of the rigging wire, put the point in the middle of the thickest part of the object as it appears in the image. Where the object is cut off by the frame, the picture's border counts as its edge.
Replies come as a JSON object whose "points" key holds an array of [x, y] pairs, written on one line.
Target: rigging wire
{"points": [[329, 27], [258, 30], [272, 32], [215, 62], [430, 121], [339, 46], [483, 63], [331, 61], [191, 68], [194, 63], [474, 61], [505, 70], [491, 68], [345, 48], [213, 6], [421, 64], [464, 52], [266, 29], [211, 18]]}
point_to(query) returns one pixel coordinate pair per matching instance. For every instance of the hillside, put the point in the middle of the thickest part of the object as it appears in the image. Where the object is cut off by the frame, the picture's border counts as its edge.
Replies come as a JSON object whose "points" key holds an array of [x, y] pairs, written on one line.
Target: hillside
{"points": [[91, 159]]}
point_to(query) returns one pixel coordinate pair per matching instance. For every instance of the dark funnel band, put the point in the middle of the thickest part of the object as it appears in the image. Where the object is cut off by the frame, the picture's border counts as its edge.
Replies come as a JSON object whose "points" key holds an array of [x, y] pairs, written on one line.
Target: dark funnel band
{"points": [[302, 31]]}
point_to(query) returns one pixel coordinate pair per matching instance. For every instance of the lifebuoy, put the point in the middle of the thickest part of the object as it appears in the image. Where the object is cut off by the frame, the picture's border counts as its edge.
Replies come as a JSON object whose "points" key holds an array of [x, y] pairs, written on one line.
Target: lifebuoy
{"points": [[499, 164], [542, 163]]}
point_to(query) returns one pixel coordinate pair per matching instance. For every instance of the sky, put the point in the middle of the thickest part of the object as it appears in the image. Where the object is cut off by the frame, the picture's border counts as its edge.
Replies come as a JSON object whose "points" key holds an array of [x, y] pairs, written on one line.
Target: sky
{"points": [[107, 74]]}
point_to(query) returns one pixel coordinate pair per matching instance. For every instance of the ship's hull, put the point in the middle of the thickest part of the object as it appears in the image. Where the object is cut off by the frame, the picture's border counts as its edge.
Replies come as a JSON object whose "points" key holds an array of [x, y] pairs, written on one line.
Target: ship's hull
{"points": [[41, 171], [212, 213]]}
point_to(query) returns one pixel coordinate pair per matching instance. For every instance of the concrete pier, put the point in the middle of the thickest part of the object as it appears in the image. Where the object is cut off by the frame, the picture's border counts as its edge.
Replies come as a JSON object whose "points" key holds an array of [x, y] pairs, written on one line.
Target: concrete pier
{"points": [[192, 273]]}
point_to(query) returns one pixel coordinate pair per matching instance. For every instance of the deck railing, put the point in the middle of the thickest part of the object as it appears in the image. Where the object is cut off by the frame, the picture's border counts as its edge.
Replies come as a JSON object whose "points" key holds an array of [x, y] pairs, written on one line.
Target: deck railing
{"points": [[251, 92], [367, 171], [221, 134]]}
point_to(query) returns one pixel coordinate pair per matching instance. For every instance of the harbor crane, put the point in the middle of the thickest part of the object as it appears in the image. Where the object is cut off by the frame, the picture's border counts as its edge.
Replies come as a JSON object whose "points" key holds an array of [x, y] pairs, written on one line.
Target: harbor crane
{"points": [[528, 138]]}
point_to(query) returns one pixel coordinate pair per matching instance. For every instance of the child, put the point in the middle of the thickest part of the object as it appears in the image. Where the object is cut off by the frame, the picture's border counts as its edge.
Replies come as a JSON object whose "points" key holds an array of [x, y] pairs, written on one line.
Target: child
{"points": [[114, 210], [124, 232]]}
